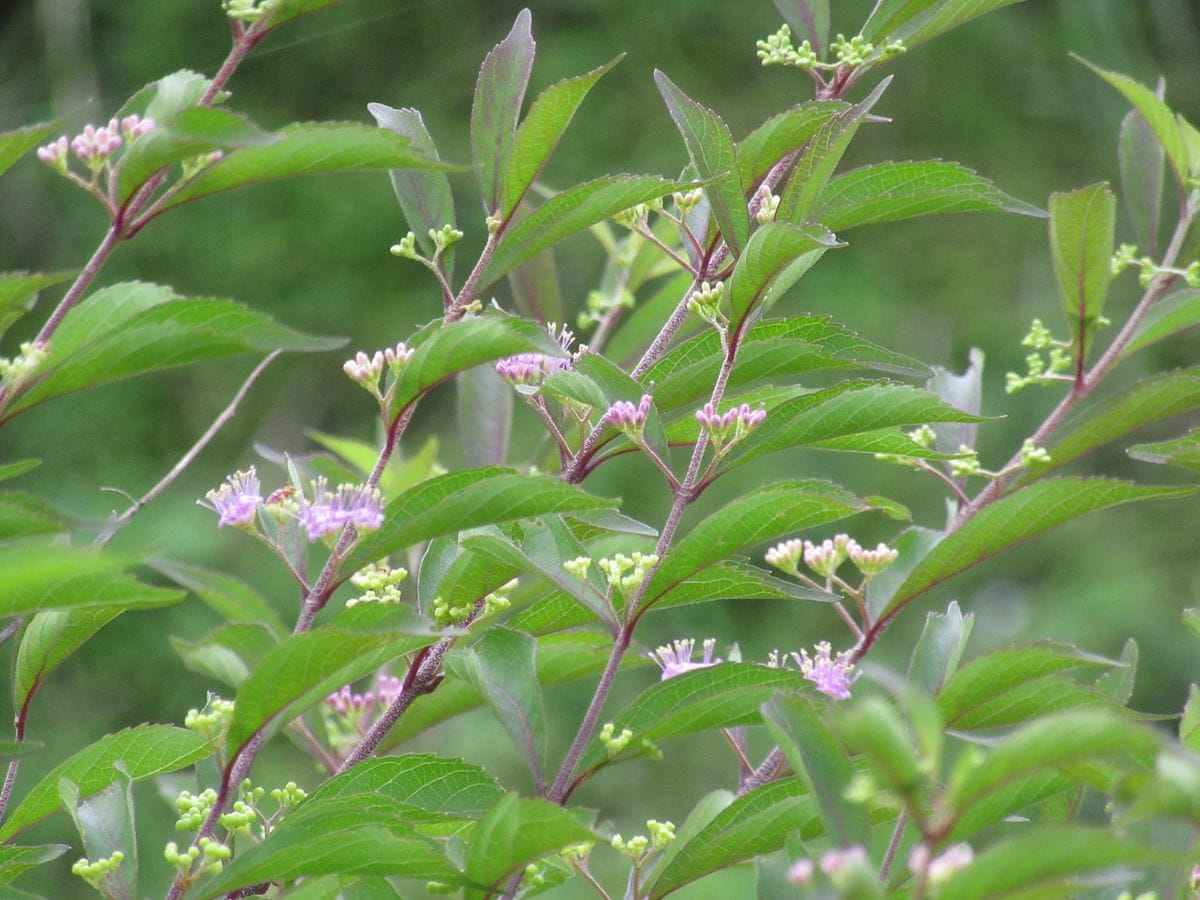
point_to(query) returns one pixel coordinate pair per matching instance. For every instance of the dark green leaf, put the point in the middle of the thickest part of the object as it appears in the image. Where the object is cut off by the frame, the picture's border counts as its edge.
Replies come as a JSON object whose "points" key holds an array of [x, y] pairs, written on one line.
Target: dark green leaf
{"points": [[501, 667], [16, 143], [1152, 400], [1166, 317], [20, 467], [1018, 517], [809, 21], [889, 15], [939, 649], [1183, 452], [944, 16], [517, 831], [887, 192], [282, 11], [304, 668], [18, 290], [499, 92], [468, 499], [484, 410], [424, 195], [539, 134], [714, 156], [430, 782], [1019, 797], [770, 265], [306, 149], [780, 135], [816, 755], [47, 640], [757, 822], [231, 599], [146, 751], [1141, 157], [1081, 245], [16, 860], [570, 212], [757, 516]]}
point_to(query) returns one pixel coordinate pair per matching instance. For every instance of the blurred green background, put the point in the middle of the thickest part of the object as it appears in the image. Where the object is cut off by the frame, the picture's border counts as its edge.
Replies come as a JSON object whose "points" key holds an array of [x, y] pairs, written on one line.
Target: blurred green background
{"points": [[999, 95]]}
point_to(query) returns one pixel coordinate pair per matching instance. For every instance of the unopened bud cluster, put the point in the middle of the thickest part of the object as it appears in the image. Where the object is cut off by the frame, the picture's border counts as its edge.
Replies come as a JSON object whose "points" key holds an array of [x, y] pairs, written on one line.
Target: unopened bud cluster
{"points": [[726, 429], [16, 371], [1126, 256], [248, 11], [94, 146], [368, 370], [826, 558], [444, 614], [379, 583], [1039, 369], [766, 205], [635, 217], [614, 743], [212, 722], [630, 420], [639, 847], [853, 52], [214, 852], [99, 872], [705, 302], [938, 869], [625, 573], [1030, 456]]}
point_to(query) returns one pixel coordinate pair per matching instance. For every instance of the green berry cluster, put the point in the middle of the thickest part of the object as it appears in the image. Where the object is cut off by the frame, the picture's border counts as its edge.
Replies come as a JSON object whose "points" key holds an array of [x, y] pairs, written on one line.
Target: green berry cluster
{"points": [[379, 583], [98, 872]]}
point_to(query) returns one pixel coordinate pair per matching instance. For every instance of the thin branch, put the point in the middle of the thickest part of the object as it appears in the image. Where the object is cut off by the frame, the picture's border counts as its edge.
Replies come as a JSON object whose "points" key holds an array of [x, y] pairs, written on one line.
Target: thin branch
{"points": [[767, 772], [893, 845]]}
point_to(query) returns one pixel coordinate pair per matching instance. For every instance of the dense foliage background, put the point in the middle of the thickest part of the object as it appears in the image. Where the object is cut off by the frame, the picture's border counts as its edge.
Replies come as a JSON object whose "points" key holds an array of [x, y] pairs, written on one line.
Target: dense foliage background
{"points": [[999, 95]]}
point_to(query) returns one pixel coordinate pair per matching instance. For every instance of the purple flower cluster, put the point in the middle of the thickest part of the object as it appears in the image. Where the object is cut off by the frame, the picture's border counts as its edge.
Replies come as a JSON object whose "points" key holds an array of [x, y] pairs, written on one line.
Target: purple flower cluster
{"points": [[533, 368], [832, 675], [733, 424], [94, 145], [675, 659], [328, 512], [237, 500], [627, 417], [345, 702]]}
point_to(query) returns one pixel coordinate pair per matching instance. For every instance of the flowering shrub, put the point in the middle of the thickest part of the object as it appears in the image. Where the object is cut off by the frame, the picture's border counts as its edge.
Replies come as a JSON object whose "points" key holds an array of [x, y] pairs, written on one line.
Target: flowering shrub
{"points": [[1012, 775]]}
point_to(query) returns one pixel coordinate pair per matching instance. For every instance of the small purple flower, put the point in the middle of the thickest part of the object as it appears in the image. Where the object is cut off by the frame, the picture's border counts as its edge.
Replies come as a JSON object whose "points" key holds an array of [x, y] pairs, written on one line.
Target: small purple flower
{"points": [[236, 501], [834, 862], [345, 701], [54, 153], [134, 126], [675, 659], [94, 145], [732, 425], [626, 417], [328, 513], [531, 368], [387, 689], [832, 675]]}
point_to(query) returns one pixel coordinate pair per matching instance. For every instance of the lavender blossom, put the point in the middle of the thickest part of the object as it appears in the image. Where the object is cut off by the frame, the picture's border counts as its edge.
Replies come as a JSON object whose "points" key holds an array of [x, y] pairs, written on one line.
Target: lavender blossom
{"points": [[327, 513], [675, 659], [832, 675], [626, 417], [236, 501]]}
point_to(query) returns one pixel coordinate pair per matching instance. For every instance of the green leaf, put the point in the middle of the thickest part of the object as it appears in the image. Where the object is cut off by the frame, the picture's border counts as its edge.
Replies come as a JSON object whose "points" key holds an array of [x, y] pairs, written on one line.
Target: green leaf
{"points": [[717, 697], [809, 21], [304, 668], [231, 599], [539, 134], [146, 751], [782, 134], [1157, 115], [873, 728], [815, 754], [714, 157], [282, 11], [106, 825], [1117, 683], [1141, 159], [757, 516], [468, 499], [984, 692], [698, 819], [944, 16], [133, 328], [499, 92], [1063, 739], [47, 640], [570, 212], [1183, 452], [307, 148], [757, 822], [1015, 518], [24, 515], [20, 467], [517, 831], [1081, 245], [889, 15], [1152, 400], [42, 577], [228, 653], [887, 192], [765, 270], [14, 860], [16, 143], [820, 157], [19, 290], [940, 648], [1189, 722], [356, 838], [501, 668], [849, 408], [1166, 317], [195, 131], [433, 783], [164, 99], [484, 411], [424, 195]]}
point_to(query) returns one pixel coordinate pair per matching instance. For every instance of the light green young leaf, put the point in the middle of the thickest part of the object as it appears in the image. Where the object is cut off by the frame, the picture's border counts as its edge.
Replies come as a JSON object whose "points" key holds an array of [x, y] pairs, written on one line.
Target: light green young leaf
{"points": [[304, 668], [1081, 246], [765, 270], [517, 831], [501, 668], [19, 290], [941, 18], [1016, 518], [1151, 400], [305, 149], [18, 468], [15, 860], [16, 143], [714, 156], [1168, 316], [820, 157], [132, 328], [1141, 155], [146, 750], [468, 499], [887, 192], [817, 756], [757, 822], [889, 15], [782, 134], [809, 21], [424, 195], [1157, 115], [43, 577], [47, 640], [499, 92], [233, 600], [539, 134], [1117, 683], [1183, 452], [756, 516], [570, 212], [1048, 859], [939, 649]]}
